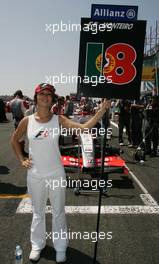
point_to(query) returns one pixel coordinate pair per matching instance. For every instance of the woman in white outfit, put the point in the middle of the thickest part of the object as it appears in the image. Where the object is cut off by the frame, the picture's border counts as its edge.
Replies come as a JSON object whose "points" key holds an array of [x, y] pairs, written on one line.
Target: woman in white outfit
{"points": [[45, 167]]}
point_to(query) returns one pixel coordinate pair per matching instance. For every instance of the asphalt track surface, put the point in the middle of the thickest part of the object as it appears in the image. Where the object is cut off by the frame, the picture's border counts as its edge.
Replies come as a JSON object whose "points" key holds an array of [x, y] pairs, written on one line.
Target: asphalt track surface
{"points": [[129, 210]]}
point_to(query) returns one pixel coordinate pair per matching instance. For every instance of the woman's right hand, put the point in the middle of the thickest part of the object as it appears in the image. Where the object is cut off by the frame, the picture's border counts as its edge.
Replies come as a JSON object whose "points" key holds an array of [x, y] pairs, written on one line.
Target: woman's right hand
{"points": [[27, 163]]}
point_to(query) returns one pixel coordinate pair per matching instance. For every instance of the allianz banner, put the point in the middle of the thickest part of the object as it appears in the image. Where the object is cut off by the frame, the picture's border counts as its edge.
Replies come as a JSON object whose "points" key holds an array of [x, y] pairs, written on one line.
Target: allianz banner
{"points": [[111, 58]]}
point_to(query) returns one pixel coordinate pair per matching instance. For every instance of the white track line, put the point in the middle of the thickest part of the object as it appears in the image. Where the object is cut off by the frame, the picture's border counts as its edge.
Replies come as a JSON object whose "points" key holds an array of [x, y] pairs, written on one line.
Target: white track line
{"points": [[146, 197], [25, 207]]}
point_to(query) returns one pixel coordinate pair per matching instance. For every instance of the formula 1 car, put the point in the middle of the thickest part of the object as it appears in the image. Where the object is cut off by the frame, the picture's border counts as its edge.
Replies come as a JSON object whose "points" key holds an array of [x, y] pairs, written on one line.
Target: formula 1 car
{"points": [[85, 158]]}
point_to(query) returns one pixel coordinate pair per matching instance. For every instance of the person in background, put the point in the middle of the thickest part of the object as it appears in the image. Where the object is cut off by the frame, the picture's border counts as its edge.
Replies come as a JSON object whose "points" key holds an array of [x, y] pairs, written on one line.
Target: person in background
{"points": [[106, 117], [18, 107], [124, 120], [137, 108], [56, 96], [44, 163], [152, 126], [3, 117], [58, 108], [112, 110], [88, 105], [69, 107], [32, 109]]}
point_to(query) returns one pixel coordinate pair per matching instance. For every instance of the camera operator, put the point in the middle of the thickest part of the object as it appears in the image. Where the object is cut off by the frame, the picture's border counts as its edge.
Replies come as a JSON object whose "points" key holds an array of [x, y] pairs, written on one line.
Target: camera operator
{"points": [[151, 132]]}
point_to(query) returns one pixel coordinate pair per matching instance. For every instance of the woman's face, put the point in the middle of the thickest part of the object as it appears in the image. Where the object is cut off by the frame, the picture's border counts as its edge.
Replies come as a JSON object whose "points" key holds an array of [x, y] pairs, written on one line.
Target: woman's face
{"points": [[44, 98]]}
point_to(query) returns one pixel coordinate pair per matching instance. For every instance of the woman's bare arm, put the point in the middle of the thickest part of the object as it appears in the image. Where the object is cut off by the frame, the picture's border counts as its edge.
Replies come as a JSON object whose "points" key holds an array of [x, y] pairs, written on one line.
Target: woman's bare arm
{"points": [[17, 135]]}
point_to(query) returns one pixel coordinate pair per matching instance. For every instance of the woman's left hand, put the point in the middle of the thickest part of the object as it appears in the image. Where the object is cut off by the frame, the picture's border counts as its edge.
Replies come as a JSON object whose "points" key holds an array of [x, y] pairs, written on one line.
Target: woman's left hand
{"points": [[106, 104]]}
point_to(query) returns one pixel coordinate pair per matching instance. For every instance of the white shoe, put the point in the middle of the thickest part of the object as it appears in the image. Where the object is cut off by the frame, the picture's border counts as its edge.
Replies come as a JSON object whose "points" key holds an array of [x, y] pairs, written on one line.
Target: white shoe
{"points": [[142, 162], [34, 254], [60, 256], [138, 148]]}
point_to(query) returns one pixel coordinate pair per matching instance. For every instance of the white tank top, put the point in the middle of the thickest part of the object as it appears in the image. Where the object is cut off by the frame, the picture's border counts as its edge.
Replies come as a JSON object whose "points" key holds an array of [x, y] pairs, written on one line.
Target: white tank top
{"points": [[44, 146]]}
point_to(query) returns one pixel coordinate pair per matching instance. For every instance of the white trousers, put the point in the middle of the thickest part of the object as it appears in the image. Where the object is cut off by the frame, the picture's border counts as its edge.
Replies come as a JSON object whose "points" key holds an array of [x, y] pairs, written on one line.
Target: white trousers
{"points": [[40, 189]]}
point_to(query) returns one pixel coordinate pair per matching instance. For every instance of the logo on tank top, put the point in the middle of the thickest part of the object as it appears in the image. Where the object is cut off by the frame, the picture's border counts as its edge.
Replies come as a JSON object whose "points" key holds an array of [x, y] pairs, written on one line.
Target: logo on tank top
{"points": [[41, 134]]}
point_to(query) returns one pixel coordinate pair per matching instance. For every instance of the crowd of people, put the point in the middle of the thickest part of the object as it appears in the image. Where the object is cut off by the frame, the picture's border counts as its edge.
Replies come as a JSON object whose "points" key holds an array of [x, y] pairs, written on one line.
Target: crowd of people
{"points": [[139, 118]]}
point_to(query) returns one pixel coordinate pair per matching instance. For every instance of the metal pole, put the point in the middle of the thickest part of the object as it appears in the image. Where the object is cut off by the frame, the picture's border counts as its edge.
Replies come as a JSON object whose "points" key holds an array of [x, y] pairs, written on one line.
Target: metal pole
{"points": [[156, 35], [150, 39], [103, 145], [156, 74]]}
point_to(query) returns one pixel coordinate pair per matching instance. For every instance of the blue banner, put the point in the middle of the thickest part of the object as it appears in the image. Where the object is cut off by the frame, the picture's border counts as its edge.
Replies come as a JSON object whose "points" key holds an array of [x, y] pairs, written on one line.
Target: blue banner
{"points": [[114, 12]]}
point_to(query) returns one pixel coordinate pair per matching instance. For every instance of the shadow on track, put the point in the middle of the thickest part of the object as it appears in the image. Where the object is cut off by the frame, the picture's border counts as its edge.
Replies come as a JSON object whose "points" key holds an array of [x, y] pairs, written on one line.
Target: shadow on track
{"points": [[73, 256], [4, 170], [8, 188]]}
